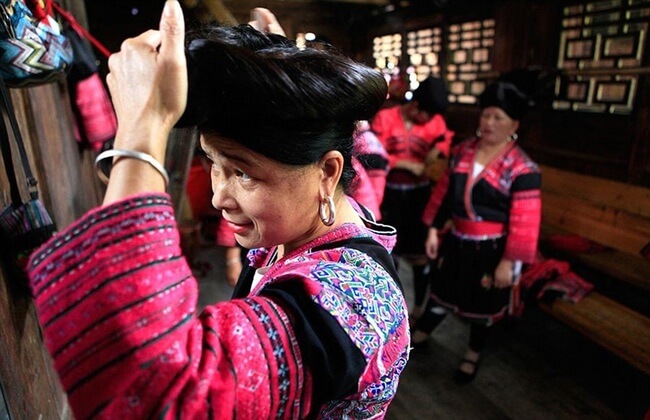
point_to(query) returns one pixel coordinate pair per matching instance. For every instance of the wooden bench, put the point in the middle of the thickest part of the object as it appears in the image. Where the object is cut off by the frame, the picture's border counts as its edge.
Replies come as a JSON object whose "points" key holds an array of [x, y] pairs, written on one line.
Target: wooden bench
{"points": [[617, 217]]}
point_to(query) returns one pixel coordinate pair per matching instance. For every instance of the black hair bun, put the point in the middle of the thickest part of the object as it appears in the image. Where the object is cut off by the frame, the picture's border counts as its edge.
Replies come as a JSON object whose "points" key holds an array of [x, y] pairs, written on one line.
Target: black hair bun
{"points": [[238, 76]]}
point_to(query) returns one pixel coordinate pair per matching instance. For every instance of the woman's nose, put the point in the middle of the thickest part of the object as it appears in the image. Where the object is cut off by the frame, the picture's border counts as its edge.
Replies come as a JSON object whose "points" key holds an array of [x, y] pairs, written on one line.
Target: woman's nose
{"points": [[221, 197]]}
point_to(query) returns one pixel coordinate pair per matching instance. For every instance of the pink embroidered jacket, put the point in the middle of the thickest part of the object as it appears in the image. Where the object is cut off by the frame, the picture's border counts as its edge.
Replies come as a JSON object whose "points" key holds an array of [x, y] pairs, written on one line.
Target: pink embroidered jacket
{"points": [[117, 303]]}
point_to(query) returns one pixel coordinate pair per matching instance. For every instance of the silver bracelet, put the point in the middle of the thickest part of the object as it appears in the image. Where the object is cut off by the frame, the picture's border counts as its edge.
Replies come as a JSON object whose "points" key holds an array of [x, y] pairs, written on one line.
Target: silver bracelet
{"points": [[129, 154]]}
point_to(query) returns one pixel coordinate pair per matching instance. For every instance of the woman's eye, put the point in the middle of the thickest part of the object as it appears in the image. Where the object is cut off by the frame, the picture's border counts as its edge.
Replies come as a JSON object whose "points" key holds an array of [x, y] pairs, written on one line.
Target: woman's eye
{"points": [[203, 154], [243, 175]]}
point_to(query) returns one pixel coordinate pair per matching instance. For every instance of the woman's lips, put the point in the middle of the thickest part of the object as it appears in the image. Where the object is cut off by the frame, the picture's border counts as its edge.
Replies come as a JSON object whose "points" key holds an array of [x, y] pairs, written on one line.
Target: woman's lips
{"points": [[238, 227]]}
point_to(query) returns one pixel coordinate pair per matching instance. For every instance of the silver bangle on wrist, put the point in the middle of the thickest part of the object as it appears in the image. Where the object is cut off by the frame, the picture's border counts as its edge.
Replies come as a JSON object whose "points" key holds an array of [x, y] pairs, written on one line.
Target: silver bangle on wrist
{"points": [[129, 154]]}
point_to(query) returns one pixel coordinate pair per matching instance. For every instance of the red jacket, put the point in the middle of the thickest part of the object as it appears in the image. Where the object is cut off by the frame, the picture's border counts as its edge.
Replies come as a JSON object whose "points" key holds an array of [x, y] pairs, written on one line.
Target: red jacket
{"points": [[413, 144]]}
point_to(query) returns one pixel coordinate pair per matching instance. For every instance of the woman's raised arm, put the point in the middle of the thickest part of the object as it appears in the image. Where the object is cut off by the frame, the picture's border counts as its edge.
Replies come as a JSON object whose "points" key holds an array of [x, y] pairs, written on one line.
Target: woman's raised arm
{"points": [[148, 84]]}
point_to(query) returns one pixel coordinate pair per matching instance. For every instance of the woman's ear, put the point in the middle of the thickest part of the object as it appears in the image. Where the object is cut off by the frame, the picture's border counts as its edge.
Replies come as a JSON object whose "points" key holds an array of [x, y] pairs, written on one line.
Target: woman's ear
{"points": [[515, 125], [331, 165]]}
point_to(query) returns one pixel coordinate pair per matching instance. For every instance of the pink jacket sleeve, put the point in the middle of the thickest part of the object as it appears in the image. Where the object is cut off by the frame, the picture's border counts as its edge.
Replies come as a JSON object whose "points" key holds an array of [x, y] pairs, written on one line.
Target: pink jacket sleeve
{"points": [[117, 303], [524, 226]]}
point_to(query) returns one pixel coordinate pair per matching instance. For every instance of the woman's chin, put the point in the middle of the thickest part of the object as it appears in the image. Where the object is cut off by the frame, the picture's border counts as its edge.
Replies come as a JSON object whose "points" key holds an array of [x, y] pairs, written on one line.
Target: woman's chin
{"points": [[248, 242]]}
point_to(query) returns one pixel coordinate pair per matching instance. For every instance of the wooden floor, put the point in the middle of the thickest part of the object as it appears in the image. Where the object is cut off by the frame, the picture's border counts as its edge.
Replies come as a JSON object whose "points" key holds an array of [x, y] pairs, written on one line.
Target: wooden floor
{"points": [[533, 368]]}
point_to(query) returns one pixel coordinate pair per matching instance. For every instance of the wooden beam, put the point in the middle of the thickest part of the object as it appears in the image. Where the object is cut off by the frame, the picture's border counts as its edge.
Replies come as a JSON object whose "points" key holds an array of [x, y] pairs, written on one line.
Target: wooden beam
{"points": [[219, 11]]}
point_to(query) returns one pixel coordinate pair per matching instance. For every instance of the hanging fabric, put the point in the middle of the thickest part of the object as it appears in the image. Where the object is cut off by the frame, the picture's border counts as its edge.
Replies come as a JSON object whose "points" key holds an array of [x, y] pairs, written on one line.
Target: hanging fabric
{"points": [[24, 225]]}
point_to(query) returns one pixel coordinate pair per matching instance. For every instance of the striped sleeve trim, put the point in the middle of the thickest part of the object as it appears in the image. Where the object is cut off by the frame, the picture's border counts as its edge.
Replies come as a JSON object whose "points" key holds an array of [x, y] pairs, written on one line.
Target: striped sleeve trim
{"points": [[118, 307], [285, 369], [92, 218]]}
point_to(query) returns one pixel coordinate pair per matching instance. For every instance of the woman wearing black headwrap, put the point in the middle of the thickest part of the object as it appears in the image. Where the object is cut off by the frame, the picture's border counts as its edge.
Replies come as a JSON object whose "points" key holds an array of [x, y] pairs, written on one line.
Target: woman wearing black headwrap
{"points": [[491, 197]]}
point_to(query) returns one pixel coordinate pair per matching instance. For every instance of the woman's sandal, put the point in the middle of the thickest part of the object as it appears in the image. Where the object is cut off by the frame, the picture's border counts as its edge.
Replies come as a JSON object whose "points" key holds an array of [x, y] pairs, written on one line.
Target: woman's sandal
{"points": [[462, 377]]}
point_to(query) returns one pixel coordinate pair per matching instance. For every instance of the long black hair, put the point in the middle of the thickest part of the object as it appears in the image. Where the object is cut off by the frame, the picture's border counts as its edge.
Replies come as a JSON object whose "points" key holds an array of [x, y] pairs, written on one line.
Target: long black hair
{"points": [[289, 104]]}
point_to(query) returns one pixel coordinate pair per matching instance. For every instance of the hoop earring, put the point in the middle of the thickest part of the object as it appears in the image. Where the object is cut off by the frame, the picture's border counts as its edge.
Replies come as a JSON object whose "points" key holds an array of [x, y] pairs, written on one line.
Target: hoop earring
{"points": [[478, 132], [328, 215], [513, 137]]}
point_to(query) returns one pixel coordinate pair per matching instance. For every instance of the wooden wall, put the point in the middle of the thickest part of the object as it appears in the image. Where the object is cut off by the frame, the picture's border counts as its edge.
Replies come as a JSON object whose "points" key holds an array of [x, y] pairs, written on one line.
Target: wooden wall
{"points": [[68, 187]]}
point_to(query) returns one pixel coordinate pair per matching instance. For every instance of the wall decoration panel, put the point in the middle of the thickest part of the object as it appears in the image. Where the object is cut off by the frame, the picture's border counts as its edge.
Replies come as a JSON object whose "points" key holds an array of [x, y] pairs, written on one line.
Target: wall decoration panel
{"points": [[601, 54]]}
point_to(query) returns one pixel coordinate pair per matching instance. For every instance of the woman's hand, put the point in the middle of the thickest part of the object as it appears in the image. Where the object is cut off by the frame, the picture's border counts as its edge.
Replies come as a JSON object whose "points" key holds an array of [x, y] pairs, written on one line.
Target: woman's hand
{"points": [[264, 21], [432, 156], [416, 169], [148, 82], [503, 274], [148, 85], [432, 243]]}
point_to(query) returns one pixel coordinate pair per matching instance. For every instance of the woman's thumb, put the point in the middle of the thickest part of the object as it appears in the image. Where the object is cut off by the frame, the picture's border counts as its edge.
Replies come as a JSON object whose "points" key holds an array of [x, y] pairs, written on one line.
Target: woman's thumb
{"points": [[172, 29]]}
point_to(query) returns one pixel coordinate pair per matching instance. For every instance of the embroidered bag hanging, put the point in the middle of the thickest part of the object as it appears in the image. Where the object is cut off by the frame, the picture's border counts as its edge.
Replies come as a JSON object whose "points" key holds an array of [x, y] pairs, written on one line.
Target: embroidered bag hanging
{"points": [[32, 48], [24, 225]]}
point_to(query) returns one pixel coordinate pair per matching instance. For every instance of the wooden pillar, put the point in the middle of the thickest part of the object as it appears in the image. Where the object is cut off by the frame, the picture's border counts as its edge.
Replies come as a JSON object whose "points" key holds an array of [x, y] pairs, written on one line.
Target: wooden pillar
{"points": [[210, 10], [180, 151]]}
